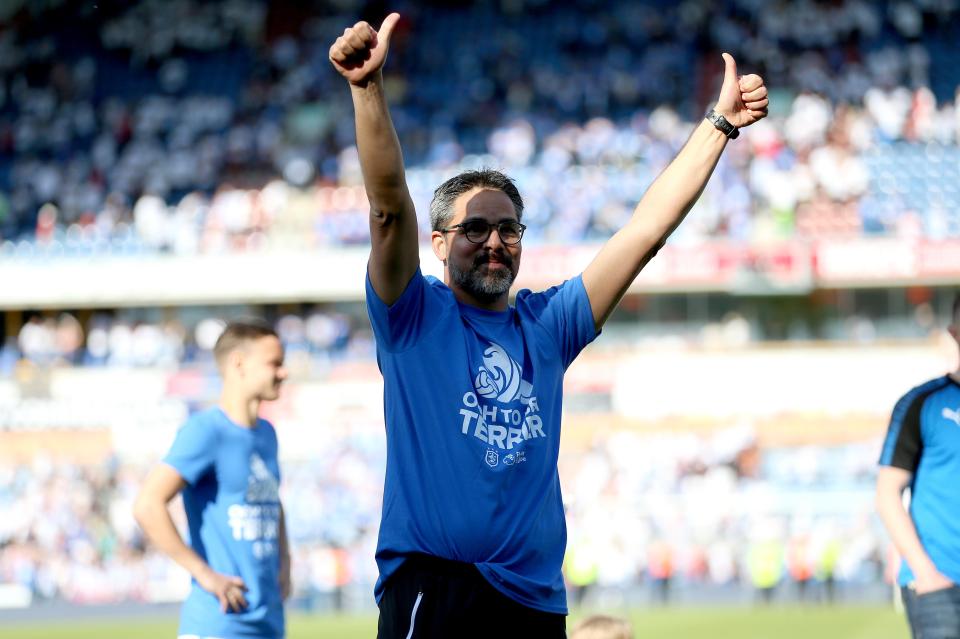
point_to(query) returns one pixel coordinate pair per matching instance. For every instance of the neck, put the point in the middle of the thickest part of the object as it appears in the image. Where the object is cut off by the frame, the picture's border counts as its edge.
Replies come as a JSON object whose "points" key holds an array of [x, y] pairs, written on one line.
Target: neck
{"points": [[241, 410], [500, 303]]}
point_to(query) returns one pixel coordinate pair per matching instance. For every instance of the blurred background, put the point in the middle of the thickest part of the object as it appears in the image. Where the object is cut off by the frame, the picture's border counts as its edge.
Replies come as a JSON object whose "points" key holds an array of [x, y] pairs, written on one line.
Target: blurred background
{"points": [[167, 165]]}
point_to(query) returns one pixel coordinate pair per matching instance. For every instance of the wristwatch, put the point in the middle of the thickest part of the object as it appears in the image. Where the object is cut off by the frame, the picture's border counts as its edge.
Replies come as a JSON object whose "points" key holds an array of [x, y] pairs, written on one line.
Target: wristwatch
{"points": [[723, 125]]}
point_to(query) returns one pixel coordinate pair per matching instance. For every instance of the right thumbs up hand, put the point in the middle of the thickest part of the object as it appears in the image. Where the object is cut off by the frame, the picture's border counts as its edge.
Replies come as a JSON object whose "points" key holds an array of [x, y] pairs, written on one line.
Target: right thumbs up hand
{"points": [[359, 54]]}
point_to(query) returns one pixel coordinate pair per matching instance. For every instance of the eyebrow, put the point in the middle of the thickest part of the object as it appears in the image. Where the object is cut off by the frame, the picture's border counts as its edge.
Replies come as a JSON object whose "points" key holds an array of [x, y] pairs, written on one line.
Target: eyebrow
{"points": [[480, 219]]}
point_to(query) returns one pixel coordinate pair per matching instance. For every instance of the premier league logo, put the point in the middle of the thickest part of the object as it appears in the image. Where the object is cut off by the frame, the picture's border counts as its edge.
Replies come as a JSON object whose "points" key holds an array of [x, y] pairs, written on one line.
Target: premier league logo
{"points": [[492, 458], [510, 458]]}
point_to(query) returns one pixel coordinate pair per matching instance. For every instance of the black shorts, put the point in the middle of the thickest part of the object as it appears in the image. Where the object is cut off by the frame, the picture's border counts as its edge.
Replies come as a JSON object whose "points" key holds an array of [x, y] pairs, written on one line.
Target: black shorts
{"points": [[432, 598]]}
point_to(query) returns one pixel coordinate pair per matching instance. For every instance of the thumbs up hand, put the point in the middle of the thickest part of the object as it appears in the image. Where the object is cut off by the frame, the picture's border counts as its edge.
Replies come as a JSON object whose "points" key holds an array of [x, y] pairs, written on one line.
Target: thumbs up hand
{"points": [[743, 100], [360, 52]]}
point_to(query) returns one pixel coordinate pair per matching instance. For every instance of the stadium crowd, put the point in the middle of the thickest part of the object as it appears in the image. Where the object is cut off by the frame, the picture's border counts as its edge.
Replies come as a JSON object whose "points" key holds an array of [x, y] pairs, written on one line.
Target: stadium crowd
{"points": [[648, 517], [224, 130], [189, 127], [127, 339]]}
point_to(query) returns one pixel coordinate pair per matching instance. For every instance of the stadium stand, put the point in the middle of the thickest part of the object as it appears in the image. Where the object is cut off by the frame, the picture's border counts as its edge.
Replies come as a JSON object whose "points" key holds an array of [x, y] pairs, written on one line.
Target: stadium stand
{"points": [[148, 148]]}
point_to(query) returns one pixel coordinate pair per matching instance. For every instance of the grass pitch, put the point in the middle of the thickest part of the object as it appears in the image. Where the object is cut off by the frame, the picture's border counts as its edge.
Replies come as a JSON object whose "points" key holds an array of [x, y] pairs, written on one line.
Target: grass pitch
{"points": [[778, 622]]}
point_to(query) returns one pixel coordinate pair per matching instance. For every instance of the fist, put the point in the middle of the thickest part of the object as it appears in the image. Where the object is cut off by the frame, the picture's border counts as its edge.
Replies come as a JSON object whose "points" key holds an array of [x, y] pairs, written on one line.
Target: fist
{"points": [[359, 54], [743, 100]]}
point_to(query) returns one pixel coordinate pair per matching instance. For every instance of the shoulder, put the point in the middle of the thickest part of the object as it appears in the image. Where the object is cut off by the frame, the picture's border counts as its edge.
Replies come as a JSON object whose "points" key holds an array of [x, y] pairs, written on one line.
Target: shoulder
{"points": [[204, 424], [198, 438], [437, 297], [910, 405], [535, 301], [924, 390], [206, 418], [420, 288], [436, 286]]}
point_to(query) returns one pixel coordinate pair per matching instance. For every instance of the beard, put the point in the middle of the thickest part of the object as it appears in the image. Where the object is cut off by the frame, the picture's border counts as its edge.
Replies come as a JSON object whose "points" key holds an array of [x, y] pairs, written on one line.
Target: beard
{"points": [[485, 287]]}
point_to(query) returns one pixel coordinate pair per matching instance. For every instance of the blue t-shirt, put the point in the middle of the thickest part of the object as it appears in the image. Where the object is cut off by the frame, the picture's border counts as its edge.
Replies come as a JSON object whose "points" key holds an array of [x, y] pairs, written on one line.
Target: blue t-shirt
{"points": [[924, 438], [233, 512], [472, 401]]}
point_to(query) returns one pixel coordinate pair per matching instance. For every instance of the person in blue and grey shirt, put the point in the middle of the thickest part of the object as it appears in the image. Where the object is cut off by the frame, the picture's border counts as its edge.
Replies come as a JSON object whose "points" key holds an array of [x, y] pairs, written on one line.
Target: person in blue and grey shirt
{"points": [[922, 452]]}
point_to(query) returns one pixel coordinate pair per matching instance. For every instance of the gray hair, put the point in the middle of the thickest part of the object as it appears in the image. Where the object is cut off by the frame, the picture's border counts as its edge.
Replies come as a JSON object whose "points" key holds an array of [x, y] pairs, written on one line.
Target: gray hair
{"points": [[441, 207]]}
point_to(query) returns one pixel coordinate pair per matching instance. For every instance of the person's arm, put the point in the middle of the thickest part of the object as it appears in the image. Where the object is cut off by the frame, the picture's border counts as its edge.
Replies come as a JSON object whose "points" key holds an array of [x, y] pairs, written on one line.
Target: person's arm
{"points": [[285, 584], [358, 55], [151, 511], [891, 482], [742, 102]]}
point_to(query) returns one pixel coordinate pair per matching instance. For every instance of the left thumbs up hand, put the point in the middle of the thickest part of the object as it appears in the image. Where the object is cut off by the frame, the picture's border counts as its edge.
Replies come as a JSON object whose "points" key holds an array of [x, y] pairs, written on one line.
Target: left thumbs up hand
{"points": [[743, 100]]}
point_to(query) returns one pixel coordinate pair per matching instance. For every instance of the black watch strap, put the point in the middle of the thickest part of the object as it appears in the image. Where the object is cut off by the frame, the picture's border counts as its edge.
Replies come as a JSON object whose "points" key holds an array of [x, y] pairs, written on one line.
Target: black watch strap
{"points": [[723, 125]]}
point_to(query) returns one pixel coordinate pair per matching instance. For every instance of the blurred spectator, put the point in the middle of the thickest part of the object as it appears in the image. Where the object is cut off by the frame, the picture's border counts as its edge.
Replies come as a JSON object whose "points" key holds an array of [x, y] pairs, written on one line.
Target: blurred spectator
{"points": [[191, 127], [66, 529], [218, 134]]}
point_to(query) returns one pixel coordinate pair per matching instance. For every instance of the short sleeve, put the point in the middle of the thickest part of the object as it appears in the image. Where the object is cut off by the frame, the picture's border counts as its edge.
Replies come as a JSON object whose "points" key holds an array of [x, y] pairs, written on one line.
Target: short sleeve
{"points": [[564, 312], [193, 451], [903, 444], [401, 325]]}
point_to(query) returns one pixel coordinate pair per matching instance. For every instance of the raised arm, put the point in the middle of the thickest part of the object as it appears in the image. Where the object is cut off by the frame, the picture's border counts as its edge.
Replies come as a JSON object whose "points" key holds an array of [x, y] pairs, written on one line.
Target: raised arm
{"points": [[891, 482], [742, 102], [358, 55]]}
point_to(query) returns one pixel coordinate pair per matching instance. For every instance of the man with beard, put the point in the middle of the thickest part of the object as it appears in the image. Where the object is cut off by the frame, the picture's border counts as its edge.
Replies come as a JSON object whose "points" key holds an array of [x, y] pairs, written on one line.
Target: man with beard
{"points": [[472, 535]]}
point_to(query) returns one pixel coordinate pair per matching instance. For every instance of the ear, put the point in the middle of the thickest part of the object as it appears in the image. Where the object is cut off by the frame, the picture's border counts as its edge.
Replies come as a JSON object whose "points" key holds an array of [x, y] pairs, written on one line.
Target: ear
{"points": [[234, 361], [439, 244]]}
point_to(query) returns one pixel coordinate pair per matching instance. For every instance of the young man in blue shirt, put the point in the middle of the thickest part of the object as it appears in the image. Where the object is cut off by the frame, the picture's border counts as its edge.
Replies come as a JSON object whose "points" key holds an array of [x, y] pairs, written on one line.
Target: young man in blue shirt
{"points": [[922, 451], [472, 535], [224, 462]]}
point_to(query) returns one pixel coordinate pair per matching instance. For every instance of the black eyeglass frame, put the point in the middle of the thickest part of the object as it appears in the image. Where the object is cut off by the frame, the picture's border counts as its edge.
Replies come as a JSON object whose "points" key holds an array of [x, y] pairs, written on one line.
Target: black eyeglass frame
{"points": [[490, 226]]}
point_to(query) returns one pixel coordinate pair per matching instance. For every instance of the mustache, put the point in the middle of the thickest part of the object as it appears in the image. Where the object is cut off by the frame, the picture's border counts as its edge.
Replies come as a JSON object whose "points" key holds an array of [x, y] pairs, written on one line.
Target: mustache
{"points": [[483, 258]]}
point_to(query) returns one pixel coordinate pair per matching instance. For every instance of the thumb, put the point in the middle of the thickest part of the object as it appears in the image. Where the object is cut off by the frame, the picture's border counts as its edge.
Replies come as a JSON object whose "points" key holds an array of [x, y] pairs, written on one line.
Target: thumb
{"points": [[386, 29], [730, 73], [237, 581]]}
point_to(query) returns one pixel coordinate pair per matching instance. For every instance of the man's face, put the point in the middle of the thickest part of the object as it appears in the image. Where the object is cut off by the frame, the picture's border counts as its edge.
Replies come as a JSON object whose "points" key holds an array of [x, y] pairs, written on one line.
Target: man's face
{"points": [[262, 368], [486, 270]]}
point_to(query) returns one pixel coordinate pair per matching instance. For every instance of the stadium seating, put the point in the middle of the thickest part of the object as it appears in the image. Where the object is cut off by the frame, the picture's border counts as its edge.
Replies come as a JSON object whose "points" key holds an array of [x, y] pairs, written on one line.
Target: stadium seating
{"points": [[139, 136]]}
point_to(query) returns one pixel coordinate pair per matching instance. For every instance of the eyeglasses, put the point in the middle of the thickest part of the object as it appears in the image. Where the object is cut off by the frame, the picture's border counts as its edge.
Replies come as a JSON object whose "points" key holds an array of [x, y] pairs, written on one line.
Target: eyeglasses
{"points": [[478, 231]]}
